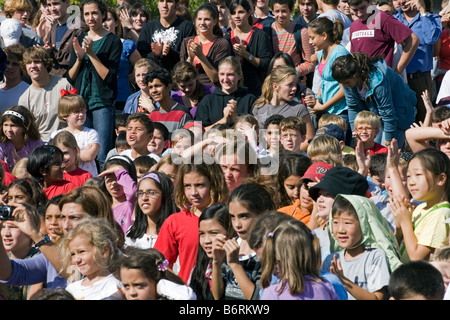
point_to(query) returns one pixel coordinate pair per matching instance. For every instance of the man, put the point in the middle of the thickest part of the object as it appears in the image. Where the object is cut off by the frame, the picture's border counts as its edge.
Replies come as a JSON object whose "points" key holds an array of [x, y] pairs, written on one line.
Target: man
{"points": [[428, 29], [161, 39], [42, 96], [62, 32]]}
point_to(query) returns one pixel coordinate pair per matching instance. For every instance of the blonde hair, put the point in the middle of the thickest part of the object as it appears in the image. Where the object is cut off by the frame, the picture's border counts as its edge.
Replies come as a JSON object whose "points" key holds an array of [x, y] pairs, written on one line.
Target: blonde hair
{"points": [[68, 140], [68, 104], [336, 119], [12, 6], [327, 149], [20, 169], [236, 65], [144, 62], [367, 117]]}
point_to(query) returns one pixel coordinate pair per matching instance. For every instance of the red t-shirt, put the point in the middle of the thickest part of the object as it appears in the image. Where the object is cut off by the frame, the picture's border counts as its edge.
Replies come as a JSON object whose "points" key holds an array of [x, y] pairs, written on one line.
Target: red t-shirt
{"points": [[78, 176], [377, 148], [444, 53], [60, 187]]}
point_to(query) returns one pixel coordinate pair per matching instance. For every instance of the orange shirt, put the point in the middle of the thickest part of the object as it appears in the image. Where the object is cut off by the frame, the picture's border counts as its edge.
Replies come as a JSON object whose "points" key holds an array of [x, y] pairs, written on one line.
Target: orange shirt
{"points": [[295, 211]]}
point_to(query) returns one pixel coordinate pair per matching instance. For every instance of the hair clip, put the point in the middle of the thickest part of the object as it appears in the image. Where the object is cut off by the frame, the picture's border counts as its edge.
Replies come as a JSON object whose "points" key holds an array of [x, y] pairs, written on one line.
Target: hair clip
{"points": [[313, 233], [163, 266], [270, 235], [65, 92]]}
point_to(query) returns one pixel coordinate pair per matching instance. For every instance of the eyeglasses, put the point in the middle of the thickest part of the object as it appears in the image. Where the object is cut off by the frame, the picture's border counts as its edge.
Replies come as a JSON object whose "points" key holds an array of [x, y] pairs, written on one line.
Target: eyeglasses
{"points": [[368, 129], [150, 193]]}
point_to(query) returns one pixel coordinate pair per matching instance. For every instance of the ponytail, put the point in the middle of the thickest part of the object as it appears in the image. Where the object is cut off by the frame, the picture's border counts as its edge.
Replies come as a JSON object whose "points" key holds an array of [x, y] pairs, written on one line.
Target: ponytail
{"points": [[334, 30]]}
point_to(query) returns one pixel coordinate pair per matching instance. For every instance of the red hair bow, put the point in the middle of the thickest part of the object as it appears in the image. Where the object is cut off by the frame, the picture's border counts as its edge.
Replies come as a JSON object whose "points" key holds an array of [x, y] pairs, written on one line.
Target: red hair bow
{"points": [[64, 92]]}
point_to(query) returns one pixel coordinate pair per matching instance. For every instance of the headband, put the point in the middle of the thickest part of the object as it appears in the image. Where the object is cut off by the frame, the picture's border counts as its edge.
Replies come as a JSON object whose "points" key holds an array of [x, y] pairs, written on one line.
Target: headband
{"points": [[151, 175], [121, 158], [16, 114]]}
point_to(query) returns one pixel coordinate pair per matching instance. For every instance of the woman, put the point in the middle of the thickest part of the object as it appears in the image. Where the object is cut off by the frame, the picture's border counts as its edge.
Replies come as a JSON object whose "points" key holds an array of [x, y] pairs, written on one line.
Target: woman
{"points": [[93, 71], [207, 48], [133, 20], [229, 101], [250, 44]]}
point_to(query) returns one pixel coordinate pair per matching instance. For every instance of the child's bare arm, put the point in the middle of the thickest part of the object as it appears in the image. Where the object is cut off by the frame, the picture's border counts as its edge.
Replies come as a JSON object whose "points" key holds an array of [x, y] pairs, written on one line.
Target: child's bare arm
{"points": [[89, 153], [418, 138]]}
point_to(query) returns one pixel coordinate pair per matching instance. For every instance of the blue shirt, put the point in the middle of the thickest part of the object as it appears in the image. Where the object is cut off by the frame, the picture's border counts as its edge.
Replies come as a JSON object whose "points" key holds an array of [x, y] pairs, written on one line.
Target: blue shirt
{"points": [[428, 29]]}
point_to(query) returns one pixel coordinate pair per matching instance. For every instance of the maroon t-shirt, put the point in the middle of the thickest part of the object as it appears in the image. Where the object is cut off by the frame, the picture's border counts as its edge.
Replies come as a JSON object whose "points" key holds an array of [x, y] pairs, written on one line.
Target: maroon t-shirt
{"points": [[378, 36]]}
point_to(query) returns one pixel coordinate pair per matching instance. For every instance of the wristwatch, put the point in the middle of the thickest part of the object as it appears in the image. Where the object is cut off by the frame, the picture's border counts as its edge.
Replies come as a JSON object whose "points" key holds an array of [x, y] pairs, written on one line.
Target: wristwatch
{"points": [[250, 57], [45, 240]]}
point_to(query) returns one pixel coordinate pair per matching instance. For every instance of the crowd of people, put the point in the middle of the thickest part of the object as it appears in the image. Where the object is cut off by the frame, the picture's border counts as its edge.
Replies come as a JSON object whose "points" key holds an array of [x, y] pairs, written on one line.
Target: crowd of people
{"points": [[247, 150]]}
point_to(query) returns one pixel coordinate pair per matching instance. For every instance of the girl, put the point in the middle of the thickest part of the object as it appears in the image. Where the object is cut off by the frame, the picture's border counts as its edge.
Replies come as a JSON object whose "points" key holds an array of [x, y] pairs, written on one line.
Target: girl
{"points": [[326, 36], [25, 191], [93, 70], [290, 254], [67, 143], [278, 95], [229, 101], [198, 186], [154, 204], [371, 85], [133, 19], [250, 44], [363, 245], [191, 90], [169, 166], [119, 184], [46, 166], [423, 230], [72, 110], [213, 221], [19, 135], [208, 47], [53, 219], [145, 276], [242, 267], [92, 248]]}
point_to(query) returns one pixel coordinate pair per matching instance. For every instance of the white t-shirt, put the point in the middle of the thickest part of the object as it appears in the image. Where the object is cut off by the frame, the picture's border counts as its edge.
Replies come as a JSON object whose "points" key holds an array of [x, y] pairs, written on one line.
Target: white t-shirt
{"points": [[104, 289], [128, 154], [11, 96], [145, 242]]}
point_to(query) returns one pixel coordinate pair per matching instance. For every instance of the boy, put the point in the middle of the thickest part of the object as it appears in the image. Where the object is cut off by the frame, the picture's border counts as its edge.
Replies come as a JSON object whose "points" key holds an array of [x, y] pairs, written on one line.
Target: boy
{"points": [[367, 126], [170, 113], [272, 135], [336, 131], [292, 134], [139, 134], [161, 139], [143, 165], [376, 172]]}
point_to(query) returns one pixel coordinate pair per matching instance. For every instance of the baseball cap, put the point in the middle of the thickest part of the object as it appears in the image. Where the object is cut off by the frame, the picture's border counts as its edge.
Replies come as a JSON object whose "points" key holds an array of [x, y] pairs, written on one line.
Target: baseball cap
{"points": [[10, 31], [330, 129], [316, 171], [341, 180]]}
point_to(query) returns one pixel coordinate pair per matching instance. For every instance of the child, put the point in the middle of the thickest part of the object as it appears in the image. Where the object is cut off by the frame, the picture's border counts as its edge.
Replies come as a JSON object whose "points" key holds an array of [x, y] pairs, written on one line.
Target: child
{"points": [[154, 204], [72, 110], [168, 166], [293, 134], [46, 166], [170, 113], [53, 219], [161, 139], [334, 130], [145, 276], [120, 129], [198, 186], [19, 135], [377, 169], [139, 134], [66, 142], [247, 204], [143, 165], [290, 255], [119, 184], [92, 248], [365, 251], [441, 261], [327, 149], [367, 126], [423, 230], [213, 221], [20, 169], [181, 140], [416, 280], [272, 136]]}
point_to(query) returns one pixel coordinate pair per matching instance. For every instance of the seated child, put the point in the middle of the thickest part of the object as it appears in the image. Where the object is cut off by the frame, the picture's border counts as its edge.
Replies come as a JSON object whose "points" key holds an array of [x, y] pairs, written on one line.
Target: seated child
{"points": [[143, 165], [161, 139], [292, 134], [367, 126]]}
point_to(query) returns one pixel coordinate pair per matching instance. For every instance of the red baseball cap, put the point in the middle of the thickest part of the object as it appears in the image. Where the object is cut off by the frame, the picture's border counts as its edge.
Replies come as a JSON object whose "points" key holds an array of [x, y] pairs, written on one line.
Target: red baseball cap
{"points": [[316, 171]]}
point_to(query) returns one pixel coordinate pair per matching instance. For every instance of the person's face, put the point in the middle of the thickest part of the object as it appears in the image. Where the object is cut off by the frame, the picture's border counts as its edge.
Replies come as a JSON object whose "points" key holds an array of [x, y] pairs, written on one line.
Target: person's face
{"points": [[110, 24], [405, 5], [139, 76], [55, 171], [12, 71], [181, 145], [240, 16], [137, 134], [421, 184], [53, 221], [58, 8], [378, 180], [395, 4], [208, 230], [324, 203], [388, 182], [169, 170], [72, 214], [228, 78], [197, 189], [150, 204], [14, 239], [444, 146], [167, 9], [13, 131], [242, 219], [282, 14], [307, 8], [76, 118], [262, 4], [187, 87], [69, 157], [204, 22], [444, 269], [361, 11], [157, 144], [223, 13], [15, 195], [346, 230], [344, 7], [319, 41], [93, 17], [83, 256], [137, 286], [234, 170], [138, 20], [286, 89], [350, 83], [305, 200], [158, 90], [36, 70], [366, 132], [22, 16], [114, 188], [273, 136], [291, 139], [291, 186]]}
